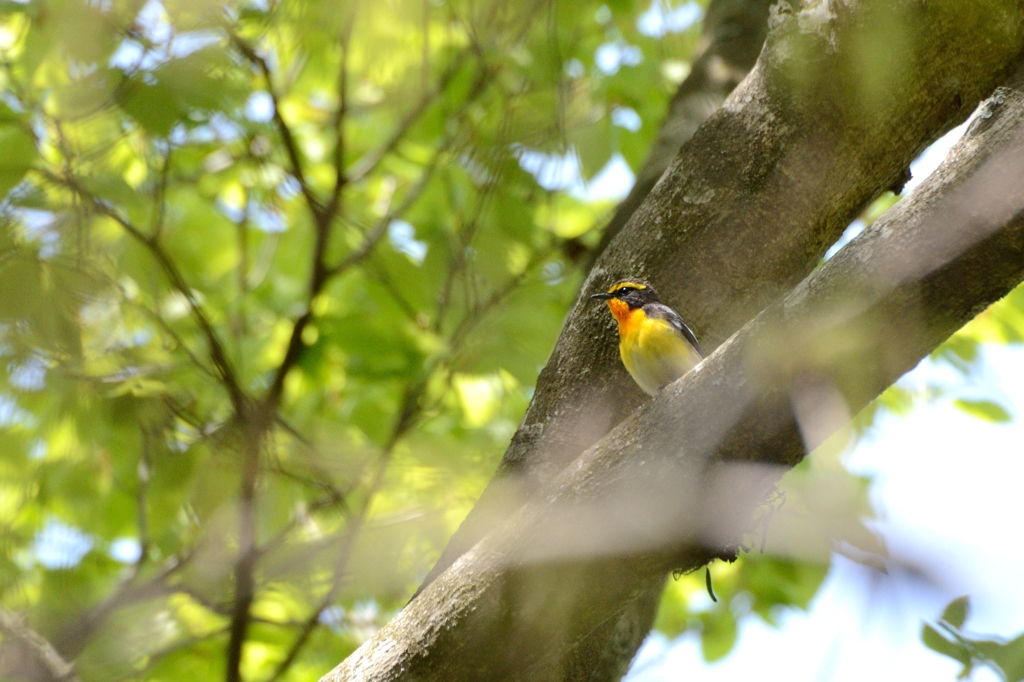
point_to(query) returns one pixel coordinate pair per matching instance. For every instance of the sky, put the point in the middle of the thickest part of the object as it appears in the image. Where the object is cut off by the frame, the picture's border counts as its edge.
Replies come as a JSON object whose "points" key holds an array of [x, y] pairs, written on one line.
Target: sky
{"points": [[946, 486]]}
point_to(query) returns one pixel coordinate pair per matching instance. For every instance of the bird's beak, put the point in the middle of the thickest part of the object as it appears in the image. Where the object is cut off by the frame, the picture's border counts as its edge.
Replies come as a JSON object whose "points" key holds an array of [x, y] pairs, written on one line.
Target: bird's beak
{"points": [[602, 297]]}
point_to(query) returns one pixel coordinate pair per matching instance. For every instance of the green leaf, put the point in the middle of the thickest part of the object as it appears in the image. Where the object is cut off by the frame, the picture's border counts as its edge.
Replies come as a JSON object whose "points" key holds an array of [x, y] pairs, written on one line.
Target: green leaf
{"points": [[719, 634], [957, 611], [154, 106], [1008, 656], [593, 144], [984, 409], [17, 154], [958, 652]]}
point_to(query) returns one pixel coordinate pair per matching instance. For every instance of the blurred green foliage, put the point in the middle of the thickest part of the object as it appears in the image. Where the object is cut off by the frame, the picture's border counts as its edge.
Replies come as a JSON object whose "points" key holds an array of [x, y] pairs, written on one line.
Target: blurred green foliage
{"points": [[332, 240]]}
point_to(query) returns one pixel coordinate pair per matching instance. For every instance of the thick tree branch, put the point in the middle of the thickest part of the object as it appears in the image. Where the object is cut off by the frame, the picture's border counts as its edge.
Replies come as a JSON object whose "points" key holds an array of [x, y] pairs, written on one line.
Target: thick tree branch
{"points": [[675, 484], [253, 432]]}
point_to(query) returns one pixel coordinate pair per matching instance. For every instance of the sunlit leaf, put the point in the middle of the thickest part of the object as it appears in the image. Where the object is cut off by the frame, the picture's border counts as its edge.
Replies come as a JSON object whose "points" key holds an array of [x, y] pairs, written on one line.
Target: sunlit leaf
{"points": [[984, 409]]}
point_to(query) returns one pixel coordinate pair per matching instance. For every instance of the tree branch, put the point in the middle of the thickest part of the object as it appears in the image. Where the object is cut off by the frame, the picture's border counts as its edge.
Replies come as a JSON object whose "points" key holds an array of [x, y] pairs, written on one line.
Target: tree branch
{"points": [[677, 482], [13, 627], [295, 346], [340, 177], [253, 433]]}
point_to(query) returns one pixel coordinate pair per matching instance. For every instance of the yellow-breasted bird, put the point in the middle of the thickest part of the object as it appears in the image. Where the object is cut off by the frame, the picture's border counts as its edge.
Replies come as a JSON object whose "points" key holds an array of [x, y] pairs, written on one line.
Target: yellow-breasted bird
{"points": [[655, 344]]}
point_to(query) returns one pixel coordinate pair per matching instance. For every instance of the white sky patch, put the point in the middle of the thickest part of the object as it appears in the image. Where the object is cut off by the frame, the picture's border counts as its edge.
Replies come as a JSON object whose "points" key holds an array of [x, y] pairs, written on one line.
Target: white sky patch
{"points": [[266, 219], [553, 172], [612, 183], [125, 550], [851, 232], [661, 18], [28, 376], [932, 158], [402, 236], [626, 117], [562, 172], [610, 57], [574, 68], [58, 545], [259, 107], [11, 413]]}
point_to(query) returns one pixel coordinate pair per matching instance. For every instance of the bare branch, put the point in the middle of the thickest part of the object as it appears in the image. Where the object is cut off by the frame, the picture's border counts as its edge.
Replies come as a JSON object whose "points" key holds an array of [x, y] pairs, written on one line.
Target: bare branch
{"points": [[75, 635], [14, 627], [372, 238], [340, 179], [160, 196], [253, 434]]}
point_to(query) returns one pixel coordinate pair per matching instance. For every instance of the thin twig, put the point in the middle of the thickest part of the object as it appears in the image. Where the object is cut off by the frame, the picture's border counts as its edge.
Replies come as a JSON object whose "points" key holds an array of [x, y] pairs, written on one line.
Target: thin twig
{"points": [[141, 503], [14, 627], [169, 330], [217, 354], [287, 138], [160, 197], [154, 657], [372, 238], [340, 178], [74, 636]]}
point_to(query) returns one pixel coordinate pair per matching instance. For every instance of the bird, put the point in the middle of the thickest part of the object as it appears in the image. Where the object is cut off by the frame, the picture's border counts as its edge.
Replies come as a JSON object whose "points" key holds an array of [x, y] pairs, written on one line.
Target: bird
{"points": [[655, 344]]}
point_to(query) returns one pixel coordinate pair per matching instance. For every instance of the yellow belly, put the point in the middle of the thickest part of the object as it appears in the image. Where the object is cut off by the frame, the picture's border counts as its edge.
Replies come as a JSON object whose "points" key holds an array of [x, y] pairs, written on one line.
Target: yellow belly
{"points": [[655, 354]]}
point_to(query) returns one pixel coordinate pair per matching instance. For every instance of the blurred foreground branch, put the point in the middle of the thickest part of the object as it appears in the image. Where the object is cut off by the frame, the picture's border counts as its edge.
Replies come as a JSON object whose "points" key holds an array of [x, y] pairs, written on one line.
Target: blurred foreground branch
{"points": [[675, 484]]}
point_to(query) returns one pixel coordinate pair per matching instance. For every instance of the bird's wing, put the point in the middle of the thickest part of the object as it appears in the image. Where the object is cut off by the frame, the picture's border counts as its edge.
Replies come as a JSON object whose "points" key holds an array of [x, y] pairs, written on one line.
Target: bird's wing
{"points": [[661, 311]]}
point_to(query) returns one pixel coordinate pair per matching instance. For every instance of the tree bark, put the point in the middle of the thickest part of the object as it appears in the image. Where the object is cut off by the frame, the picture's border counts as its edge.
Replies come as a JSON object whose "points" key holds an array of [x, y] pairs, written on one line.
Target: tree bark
{"points": [[677, 481]]}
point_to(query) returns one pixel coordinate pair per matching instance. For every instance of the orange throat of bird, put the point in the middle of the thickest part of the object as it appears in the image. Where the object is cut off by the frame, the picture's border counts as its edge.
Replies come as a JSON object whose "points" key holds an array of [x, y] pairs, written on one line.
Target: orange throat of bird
{"points": [[628, 319]]}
